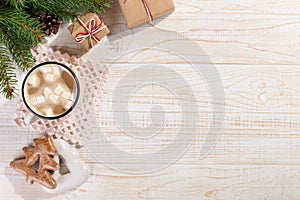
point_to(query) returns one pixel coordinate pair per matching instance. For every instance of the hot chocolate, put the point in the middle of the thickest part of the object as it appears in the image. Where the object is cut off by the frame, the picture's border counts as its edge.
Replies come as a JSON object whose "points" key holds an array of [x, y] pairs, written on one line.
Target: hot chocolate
{"points": [[50, 90]]}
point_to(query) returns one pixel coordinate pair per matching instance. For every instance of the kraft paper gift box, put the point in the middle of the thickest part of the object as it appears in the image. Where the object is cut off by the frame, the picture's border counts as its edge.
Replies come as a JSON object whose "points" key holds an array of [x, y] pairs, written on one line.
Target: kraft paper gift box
{"points": [[88, 30], [137, 12]]}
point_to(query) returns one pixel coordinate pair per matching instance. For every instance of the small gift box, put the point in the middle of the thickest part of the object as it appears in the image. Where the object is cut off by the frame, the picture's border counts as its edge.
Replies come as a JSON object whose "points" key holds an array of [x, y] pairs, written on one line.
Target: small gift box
{"points": [[88, 30], [138, 12]]}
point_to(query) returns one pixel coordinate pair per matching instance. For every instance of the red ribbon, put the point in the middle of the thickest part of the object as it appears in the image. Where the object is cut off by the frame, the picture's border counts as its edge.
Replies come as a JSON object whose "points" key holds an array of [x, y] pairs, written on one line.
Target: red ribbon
{"points": [[148, 10], [91, 31]]}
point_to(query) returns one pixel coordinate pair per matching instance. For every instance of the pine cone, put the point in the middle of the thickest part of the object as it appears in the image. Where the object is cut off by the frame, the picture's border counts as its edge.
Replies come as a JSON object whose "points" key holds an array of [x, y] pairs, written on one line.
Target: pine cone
{"points": [[50, 23]]}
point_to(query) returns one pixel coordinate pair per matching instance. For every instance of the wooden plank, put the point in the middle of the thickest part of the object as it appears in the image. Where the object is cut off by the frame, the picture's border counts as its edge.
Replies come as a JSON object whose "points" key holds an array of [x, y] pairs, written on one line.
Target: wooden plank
{"points": [[260, 126], [255, 47], [180, 182]]}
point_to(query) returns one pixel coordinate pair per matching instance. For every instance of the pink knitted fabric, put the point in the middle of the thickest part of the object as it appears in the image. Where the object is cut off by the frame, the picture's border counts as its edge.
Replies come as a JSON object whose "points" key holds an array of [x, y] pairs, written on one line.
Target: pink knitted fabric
{"points": [[75, 126]]}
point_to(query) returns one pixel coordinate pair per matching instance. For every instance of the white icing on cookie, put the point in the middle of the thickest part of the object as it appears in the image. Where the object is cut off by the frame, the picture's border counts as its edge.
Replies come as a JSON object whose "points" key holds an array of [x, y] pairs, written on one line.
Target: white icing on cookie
{"points": [[79, 171]]}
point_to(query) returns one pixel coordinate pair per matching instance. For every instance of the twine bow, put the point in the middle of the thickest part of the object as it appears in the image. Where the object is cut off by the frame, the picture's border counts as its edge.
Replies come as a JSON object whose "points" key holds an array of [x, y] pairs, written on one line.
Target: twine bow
{"points": [[91, 31]]}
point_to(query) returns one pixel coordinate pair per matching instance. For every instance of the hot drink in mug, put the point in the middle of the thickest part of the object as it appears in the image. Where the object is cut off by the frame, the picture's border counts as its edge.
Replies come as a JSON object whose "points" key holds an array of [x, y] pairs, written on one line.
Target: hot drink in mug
{"points": [[50, 91]]}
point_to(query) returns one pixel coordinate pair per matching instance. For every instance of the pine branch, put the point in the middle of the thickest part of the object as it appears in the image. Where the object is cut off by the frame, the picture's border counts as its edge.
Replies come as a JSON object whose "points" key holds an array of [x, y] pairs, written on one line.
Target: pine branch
{"points": [[18, 4], [51, 6], [17, 34], [19, 51], [21, 25], [102, 4], [74, 7], [7, 72]]}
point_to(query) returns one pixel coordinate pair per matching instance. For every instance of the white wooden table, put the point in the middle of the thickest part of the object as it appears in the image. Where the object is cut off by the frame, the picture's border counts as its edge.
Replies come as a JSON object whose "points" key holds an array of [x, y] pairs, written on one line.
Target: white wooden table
{"points": [[255, 48]]}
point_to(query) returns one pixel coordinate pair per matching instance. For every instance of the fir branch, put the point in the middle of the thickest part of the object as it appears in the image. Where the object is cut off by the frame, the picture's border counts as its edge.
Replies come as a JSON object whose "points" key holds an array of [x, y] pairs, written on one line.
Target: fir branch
{"points": [[21, 54], [18, 4], [19, 51], [21, 25], [65, 10], [7, 72], [101, 4], [69, 9]]}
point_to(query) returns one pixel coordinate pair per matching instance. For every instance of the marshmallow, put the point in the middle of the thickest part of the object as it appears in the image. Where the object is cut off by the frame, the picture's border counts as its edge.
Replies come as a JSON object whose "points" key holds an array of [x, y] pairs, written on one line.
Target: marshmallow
{"points": [[47, 111], [49, 77], [33, 80], [46, 69], [40, 99], [47, 91], [56, 71], [66, 94], [68, 104], [59, 89], [53, 98]]}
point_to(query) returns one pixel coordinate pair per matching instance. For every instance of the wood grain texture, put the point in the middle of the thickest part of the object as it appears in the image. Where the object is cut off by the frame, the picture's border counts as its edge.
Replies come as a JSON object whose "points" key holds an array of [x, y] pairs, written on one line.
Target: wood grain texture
{"points": [[255, 48]]}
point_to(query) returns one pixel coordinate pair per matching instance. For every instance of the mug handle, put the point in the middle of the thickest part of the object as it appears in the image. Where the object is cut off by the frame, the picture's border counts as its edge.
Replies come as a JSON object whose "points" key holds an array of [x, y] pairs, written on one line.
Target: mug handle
{"points": [[30, 118]]}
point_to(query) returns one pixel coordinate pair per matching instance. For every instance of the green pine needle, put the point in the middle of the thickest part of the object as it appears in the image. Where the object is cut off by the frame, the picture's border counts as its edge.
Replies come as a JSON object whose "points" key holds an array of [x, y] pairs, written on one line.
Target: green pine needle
{"points": [[7, 71], [21, 26], [18, 4]]}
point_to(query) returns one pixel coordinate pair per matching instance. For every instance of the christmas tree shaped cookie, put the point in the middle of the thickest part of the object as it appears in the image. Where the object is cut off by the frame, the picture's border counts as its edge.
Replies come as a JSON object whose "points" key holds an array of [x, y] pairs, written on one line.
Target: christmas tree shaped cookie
{"points": [[42, 153]]}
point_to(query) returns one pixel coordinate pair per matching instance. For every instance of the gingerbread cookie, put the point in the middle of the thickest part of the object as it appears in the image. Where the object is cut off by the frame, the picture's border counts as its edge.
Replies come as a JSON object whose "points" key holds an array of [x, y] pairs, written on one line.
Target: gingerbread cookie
{"points": [[42, 152]]}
